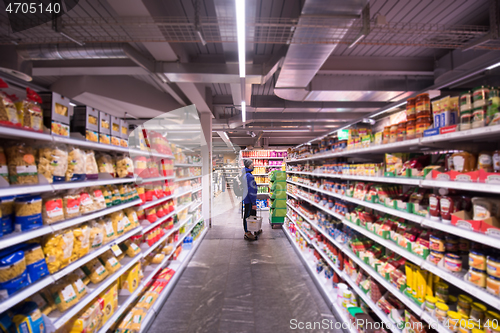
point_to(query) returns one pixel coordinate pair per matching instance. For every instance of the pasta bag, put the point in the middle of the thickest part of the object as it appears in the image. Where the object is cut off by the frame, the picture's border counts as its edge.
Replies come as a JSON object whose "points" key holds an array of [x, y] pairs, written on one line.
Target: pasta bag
{"points": [[31, 111], [147, 300], [35, 262], [119, 222], [53, 162], [81, 275], [91, 169], [8, 111], [44, 302], [132, 216], [109, 230], [95, 270], [105, 164], [52, 209], [130, 248], [71, 204], [158, 258], [90, 321], [28, 211], [52, 249], [124, 166], [110, 262], [82, 242], [78, 285], [76, 165], [28, 318], [4, 170], [21, 164], [64, 294], [86, 202], [98, 198], [13, 274], [7, 208], [96, 238], [68, 241], [107, 196], [115, 193]]}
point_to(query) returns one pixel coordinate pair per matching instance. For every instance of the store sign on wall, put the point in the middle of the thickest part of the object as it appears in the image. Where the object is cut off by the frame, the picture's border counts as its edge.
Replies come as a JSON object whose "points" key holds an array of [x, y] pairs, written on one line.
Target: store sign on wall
{"points": [[26, 14]]}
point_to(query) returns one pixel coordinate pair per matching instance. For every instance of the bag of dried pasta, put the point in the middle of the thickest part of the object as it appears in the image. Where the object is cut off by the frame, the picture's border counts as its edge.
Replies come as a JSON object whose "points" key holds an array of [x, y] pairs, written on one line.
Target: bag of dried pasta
{"points": [[132, 216], [28, 212], [71, 204], [98, 198], [64, 294], [79, 286], [8, 111], [141, 215], [31, 111], [86, 202], [53, 162], [58, 248], [52, 209], [13, 274], [119, 222], [124, 166], [7, 208], [44, 302], [157, 259], [76, 165], [109, 230], [147, 300], [110, 262], [21, 164], [81, 245], [107, 196], [151, 214], [81, 275], [91, 168], [105, 164], [95, 271], [115, 194], [130, 248], [96, 237], [35, 262], [4, 170]]}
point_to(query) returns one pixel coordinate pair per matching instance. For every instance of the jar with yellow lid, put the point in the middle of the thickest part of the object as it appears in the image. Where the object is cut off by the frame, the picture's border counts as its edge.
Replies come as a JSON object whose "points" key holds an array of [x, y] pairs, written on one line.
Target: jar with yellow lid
{"points": [[478, 312], [491, 322], [453, 318], [430, 304], [442, 292], [441, 310], [464, 304]]}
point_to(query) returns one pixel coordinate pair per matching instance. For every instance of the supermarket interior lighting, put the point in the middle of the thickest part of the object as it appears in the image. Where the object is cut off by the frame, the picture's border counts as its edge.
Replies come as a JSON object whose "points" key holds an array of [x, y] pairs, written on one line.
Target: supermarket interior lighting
{"points": [[356, 41], [243, 111], [72, 104], [493, 66], [384, 111], [240, 28]]}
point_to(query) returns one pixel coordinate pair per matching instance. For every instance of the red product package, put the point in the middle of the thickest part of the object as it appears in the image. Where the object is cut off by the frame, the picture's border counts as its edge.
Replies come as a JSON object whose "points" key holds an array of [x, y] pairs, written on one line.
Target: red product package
{"points": [[151, 214]]}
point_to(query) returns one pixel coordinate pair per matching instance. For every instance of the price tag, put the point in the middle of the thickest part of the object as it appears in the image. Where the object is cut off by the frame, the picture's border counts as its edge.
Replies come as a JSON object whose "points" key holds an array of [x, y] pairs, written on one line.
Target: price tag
{"points": [[116, 250]]}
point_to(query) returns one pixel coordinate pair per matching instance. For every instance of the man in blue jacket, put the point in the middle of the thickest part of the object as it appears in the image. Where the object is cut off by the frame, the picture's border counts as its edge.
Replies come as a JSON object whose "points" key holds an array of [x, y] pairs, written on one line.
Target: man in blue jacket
{"points": [[250, 196]]}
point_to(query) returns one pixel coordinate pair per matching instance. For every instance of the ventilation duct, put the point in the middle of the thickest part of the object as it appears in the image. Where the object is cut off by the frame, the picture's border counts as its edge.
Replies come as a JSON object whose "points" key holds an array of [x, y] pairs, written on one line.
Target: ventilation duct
{"points": [[72, 51]]}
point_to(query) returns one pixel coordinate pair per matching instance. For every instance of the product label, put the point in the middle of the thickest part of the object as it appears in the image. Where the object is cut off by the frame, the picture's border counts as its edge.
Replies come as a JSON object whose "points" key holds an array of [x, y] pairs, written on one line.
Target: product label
{"points": [[113, 262], [120, 226], [26, 170], [422, 106], [80, 286], [68, 294], [480, 213], [85, 199], [100, 270], [135, 218], [109, 229], [126, 222], [54, 208], [99, 197], [137, 319], [134, 247], [458, 163], [12, 114], [149, 300], [485, 160], [98, 238], [116, 250]]}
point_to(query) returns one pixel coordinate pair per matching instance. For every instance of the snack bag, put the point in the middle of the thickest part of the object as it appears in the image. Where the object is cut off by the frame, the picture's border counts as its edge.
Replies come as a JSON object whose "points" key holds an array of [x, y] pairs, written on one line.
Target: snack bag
{"points": [[53, 162], [76, 165], [21, 164]]}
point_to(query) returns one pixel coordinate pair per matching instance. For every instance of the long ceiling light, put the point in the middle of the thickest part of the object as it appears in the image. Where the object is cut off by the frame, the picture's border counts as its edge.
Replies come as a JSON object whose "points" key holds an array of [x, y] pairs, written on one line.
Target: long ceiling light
{"points": [[240, 29], [243, 111], [384, 111], [493, 66]]}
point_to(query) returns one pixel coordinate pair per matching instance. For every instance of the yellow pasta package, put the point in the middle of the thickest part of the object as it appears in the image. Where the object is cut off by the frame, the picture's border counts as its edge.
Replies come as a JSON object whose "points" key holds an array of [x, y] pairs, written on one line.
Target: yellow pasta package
{"points": [[81, 275], [110, 262], [90, 321], [76, 165], [78, 285], [96, 237], [21, 164], [158, 258], [95, 271], [147, 300], [53, 162], [130, 248], [132, 216], [109, 301], [130, 280], [138, 316], [58, 249], [109, 230], [118, 222], [64, 294], [82, 242]]}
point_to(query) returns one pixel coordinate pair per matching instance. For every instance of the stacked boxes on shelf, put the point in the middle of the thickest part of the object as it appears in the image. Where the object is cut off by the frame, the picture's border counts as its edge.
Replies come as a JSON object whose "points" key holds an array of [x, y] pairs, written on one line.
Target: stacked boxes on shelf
{"points": [[277, 187]]}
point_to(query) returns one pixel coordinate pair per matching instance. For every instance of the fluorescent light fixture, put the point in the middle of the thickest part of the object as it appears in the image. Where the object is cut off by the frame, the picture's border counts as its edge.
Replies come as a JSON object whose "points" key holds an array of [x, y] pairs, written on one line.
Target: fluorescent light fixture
{"points": [[202, 40], [384, 111], [240, 29], [74, 40], [356, 41], [494, 66], [72, 104], [286, 130], [243, 111]]}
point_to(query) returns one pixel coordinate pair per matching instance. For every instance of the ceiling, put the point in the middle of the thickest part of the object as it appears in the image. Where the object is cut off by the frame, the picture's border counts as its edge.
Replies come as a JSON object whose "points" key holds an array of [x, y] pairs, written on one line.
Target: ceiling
{"points": [[304, 75]]}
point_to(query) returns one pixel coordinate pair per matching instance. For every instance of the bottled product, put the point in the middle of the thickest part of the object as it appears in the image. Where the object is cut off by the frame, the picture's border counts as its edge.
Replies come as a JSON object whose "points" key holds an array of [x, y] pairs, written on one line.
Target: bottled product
{"points": [[423, 105], [410, 109], [493, 111]]}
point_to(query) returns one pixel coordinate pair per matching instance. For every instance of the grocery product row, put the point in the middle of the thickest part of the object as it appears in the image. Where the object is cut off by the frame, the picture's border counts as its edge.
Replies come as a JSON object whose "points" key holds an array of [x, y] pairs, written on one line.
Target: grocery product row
{"points": [[393, 284], [102, 294], [263, 154], [458, 212], [267, 163], [261, 180], [457, 170]]}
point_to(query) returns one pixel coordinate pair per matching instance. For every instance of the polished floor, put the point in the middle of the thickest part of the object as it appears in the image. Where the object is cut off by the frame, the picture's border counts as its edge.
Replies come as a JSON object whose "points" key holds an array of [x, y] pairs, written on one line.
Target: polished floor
{"points": [[232, 285]]}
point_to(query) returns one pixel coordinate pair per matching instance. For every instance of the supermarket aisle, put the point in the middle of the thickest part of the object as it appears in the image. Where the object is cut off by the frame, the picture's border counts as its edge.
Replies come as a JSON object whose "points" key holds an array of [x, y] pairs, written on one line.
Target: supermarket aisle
{"points": [[232, 285]]}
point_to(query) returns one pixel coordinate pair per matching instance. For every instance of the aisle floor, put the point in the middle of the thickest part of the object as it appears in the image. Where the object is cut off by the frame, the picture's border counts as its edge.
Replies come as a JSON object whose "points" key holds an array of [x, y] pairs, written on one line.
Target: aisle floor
{"points": [[232, 285]]}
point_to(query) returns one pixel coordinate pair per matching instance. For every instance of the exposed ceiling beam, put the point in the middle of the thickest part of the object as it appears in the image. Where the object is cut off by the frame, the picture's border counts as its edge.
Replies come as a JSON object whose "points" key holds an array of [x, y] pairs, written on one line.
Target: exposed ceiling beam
{"points": [[209, 73], [276, 102], [378, 66]]}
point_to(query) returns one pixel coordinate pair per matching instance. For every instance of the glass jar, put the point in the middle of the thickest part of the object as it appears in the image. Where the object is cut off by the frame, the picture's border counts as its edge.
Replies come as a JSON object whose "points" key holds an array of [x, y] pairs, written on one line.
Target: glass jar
{"points": [[465, 119], [477, 312], [496, 161], [442, 292], [493, 284], [453, 262], [401, 136], [423, 105], [451, 242], [441, 310], [430, 304], [477, 260], [492, 322], [464, 304], [410, 129], [423, 123], [387, 134], [464, 245], [436, 243], [394, 133], [410, 109], [477, 277], [493, 266], [453, 317], [480, 96]]}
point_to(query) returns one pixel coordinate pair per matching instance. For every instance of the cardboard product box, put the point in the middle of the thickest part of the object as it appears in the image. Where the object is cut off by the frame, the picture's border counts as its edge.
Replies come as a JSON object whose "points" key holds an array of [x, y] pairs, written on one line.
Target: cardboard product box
{"points": [[108, 301], [56, 113], [105, 139], [124, 143], [104, 123], [489, 226], [124, 129], [86, 122], [470, 177], [115, 141], [130, 280], [115, 126]]}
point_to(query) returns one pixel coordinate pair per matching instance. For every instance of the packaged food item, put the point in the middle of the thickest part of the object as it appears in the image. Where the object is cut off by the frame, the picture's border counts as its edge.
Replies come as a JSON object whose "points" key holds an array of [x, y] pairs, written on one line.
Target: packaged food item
{"points": [[52, 209], [130, 280], [130, 248], [453, 262], [493, 112], [477, 260], [44, 302], [110, 262], [78, 285], [410, 109], [423, 105], [64, 294], [81, 244], [21, 164], [97, 198], [493, 284], [96, 235], [4, 170], [76, 165], [464, 304], [158, 258], [13, 274], [71, 204], [81, 275], [423, 123], [105, 164], [116, 198], [90, 321], [86, 202], [58, 248], [480, 96], [35, 262], [108, 300], [478, 312], [7, 209], [151, 214], [104, 138], [482, 208], [8, 112], [31, 111], [477, 277], [124, 166], [91, 169], [119, 222], [95, 270], [147, 300], [479, 116], [132, 216], [28, 318], [53, 162], [464, 162], [493, 266], [28, 212]]}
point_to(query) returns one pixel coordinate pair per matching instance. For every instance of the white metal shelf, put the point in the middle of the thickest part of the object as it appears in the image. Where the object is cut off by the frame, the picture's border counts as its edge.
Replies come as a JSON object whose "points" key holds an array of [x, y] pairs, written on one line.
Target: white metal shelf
{"points": [[148, 204], [262, 184], [469, 234], [153, 179], [266, 158], [186, 165], [187, 178], [20, 237], [196, 206], [260, 174]]}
